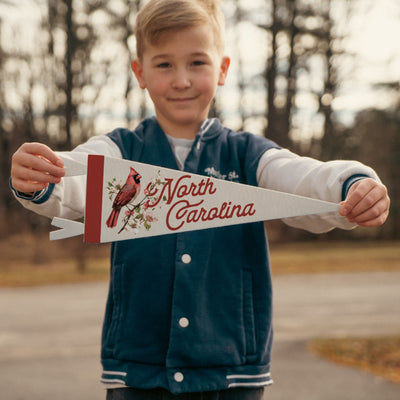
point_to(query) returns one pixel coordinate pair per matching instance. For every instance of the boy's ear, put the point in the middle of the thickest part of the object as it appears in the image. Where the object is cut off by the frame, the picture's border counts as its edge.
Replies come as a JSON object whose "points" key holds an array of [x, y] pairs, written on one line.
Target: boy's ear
{"points": [[223, 72], [138, 71]]}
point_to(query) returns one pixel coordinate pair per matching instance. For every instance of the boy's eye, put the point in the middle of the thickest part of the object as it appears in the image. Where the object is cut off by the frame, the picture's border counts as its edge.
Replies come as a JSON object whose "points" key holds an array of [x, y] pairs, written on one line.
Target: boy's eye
{"points": [[198, 63], [164, 65]]}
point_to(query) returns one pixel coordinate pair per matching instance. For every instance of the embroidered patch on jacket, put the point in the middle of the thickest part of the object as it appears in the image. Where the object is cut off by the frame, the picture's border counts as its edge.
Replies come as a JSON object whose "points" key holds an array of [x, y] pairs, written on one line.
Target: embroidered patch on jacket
{"points": [[231, 176]]}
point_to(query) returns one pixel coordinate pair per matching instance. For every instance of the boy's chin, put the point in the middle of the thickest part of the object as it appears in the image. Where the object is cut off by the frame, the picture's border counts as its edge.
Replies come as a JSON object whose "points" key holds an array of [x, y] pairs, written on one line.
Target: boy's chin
{"points": [[182, 127]]}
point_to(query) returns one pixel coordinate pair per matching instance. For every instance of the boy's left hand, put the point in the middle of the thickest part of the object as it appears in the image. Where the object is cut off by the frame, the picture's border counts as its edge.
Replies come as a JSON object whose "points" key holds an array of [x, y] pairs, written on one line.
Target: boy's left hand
{"points": [[366, 204]]}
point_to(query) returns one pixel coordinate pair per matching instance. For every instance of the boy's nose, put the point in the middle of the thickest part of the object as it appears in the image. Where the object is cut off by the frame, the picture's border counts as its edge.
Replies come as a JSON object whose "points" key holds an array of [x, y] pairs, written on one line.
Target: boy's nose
{"points": [[181, 80]]}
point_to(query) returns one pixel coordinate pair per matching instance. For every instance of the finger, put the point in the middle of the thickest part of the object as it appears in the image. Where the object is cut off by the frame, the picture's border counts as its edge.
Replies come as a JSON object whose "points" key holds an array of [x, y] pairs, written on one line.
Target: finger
{"points": [[367, 201], [375, 222], [28, 187], [38, 156], [379, 211], [32, 175], [39, 163], [42, 151], [354, 196], [362, 190], [22, 173]]}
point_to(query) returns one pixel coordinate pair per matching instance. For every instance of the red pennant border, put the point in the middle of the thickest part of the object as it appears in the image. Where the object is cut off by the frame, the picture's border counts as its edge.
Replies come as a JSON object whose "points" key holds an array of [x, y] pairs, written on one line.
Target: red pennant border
{"points": [[94, 198]]}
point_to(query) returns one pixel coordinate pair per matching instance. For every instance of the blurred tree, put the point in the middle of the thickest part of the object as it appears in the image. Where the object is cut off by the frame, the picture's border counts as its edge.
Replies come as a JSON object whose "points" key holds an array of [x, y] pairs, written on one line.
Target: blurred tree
{"points": [[127, 25], [72, 38], [272, 131], [235, 20], [60, 26], [376, 142], [302, 34], [4, 140], [122, 23], [16, 120], [331, 45]]}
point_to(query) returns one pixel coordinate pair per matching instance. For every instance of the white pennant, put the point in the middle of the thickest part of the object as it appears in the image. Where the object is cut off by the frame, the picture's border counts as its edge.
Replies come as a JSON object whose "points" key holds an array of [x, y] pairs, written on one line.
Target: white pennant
{"points": [[158, 201], [68, 228]]}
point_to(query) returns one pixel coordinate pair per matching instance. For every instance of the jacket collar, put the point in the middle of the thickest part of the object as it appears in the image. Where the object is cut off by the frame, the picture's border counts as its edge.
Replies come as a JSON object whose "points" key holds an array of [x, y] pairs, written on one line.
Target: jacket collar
{"points": [[209, 129]]}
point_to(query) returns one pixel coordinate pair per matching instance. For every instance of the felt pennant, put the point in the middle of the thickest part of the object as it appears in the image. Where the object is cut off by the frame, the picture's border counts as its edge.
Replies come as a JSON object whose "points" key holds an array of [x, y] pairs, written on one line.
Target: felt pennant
{"points": [[127, 200]]}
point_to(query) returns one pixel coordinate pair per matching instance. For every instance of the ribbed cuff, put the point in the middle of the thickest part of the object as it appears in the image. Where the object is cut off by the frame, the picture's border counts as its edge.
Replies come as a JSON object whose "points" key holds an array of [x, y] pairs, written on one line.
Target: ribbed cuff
{"points": [[37, 197], [349, 182]]}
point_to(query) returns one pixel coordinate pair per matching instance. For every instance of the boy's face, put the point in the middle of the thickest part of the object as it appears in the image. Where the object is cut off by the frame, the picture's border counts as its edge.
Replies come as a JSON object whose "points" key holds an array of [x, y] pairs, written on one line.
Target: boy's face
{"points": [[181, 73]]}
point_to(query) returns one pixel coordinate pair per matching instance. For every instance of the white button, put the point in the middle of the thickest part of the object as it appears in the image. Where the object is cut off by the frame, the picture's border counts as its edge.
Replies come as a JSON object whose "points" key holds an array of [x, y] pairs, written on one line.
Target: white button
{"points": [[178, 376], [184, 322], [186, 259]]}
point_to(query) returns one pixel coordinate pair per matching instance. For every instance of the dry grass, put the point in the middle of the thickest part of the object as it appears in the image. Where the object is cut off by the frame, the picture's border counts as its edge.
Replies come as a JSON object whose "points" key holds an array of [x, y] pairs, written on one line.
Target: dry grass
{"points": [[18, 274], [380, 356], [321, 257], [28, 260]]}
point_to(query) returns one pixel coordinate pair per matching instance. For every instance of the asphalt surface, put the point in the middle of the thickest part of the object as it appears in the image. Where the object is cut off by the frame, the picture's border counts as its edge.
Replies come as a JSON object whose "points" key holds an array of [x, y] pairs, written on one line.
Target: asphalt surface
{"points": [[342, 305], [50, 337]]}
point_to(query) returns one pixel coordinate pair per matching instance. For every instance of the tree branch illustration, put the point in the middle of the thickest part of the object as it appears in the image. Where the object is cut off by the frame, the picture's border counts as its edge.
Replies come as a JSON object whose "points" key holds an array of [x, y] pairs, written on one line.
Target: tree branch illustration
{"points": [[131, 211]]}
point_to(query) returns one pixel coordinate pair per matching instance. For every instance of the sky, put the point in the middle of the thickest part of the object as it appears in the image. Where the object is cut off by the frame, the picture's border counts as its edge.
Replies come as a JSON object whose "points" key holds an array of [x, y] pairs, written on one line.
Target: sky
{"points": [[371, 35], [375, 40]]}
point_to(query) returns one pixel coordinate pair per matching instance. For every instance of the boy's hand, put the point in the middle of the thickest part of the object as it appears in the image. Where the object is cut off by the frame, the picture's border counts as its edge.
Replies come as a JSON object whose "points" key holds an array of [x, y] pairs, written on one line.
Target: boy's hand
{"points": [[34, 166], [367, 203]]}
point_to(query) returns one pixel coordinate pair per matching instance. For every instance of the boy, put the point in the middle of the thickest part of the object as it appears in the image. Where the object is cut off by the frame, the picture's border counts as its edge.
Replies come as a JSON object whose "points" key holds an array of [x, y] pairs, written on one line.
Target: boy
{"points": [[190, 314]]}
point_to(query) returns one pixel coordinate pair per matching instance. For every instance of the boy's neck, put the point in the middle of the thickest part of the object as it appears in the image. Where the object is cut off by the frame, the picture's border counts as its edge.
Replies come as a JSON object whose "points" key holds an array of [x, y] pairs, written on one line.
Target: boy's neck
{"points": [[181, 131]]}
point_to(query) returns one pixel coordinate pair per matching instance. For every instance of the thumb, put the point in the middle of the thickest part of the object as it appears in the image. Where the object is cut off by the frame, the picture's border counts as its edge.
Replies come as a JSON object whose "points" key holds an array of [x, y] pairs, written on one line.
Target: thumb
{"points": [[345, 208]]}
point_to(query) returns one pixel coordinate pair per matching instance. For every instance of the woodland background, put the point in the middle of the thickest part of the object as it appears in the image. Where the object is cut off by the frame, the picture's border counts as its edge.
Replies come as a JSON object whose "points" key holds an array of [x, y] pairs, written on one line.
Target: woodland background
{"points": [[67, 77]]}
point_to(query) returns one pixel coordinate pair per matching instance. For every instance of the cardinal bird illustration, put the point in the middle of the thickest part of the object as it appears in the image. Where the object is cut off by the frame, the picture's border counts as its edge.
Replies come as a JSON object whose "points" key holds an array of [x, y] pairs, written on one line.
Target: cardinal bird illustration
{"points": [[127, 193]]}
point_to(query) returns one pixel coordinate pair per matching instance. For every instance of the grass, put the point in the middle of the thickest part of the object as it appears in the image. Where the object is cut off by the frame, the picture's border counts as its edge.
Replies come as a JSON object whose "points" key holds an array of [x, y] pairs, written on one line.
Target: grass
{"points": [[18, 274], [29, 260], [380, 356], [334, 257]]}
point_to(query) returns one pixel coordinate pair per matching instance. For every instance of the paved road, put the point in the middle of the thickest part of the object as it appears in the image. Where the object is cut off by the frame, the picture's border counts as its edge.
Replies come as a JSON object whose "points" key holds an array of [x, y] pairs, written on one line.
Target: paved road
{"points": [[49, 337], [331, 306]]}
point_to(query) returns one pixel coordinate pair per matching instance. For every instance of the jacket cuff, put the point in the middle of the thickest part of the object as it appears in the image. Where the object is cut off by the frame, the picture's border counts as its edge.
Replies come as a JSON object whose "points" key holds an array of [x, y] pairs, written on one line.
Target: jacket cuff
{"points": [[351, 181], [37, 197]]}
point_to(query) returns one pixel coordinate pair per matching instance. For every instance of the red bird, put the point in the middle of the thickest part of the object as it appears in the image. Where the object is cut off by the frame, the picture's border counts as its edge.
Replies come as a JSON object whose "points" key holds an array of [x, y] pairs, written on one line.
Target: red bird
{"points": [[127, 193]]}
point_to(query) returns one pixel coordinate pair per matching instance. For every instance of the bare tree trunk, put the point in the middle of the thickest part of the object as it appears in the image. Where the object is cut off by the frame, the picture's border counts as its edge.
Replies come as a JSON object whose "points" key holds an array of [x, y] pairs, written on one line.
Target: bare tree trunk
{"points": [[4, 144], [272, 131], [291, 75], [68, 75], [128, 32], [329, 145], [241, 83]]}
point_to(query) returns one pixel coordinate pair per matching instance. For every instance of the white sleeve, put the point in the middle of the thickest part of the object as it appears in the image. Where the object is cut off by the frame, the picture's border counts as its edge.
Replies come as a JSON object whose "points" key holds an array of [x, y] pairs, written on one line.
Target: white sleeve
{"points": [[282, 170], [67, 199]]}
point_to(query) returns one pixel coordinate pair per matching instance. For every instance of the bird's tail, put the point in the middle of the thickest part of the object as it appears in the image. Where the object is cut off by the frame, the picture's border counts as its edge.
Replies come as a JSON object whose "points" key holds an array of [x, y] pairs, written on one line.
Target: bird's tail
{"points": [[113, 218]]}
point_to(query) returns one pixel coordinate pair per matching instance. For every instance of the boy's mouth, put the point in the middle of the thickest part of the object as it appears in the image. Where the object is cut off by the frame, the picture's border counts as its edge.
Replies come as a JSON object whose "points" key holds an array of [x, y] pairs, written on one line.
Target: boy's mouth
{"points": [[182, 99]]}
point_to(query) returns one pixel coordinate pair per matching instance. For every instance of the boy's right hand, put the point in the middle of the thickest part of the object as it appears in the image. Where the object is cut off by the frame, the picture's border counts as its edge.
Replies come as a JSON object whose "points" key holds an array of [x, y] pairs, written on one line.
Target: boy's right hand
{"points": [[34, 166]]}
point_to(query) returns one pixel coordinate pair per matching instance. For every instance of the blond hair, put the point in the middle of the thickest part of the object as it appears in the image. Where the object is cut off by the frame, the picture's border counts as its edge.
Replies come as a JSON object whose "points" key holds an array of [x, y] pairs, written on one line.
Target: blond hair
{"points": [[160, 16]]}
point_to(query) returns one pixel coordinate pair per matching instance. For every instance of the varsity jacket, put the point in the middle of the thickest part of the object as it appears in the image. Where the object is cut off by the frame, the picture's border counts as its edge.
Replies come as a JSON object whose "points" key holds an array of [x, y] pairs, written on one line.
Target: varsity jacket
{"points": [[192, 311]]}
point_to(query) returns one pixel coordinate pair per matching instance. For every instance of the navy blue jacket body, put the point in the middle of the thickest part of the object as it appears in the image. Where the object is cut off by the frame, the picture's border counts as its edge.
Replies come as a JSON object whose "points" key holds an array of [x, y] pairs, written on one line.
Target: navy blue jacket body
{"points": [[192, 311]]}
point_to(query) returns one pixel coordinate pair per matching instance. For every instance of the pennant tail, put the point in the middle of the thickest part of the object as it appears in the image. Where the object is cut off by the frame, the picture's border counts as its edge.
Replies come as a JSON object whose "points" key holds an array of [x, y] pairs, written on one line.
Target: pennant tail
{"points": [[279, 205], [68, 228], [94, 198], [72, 167]]}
